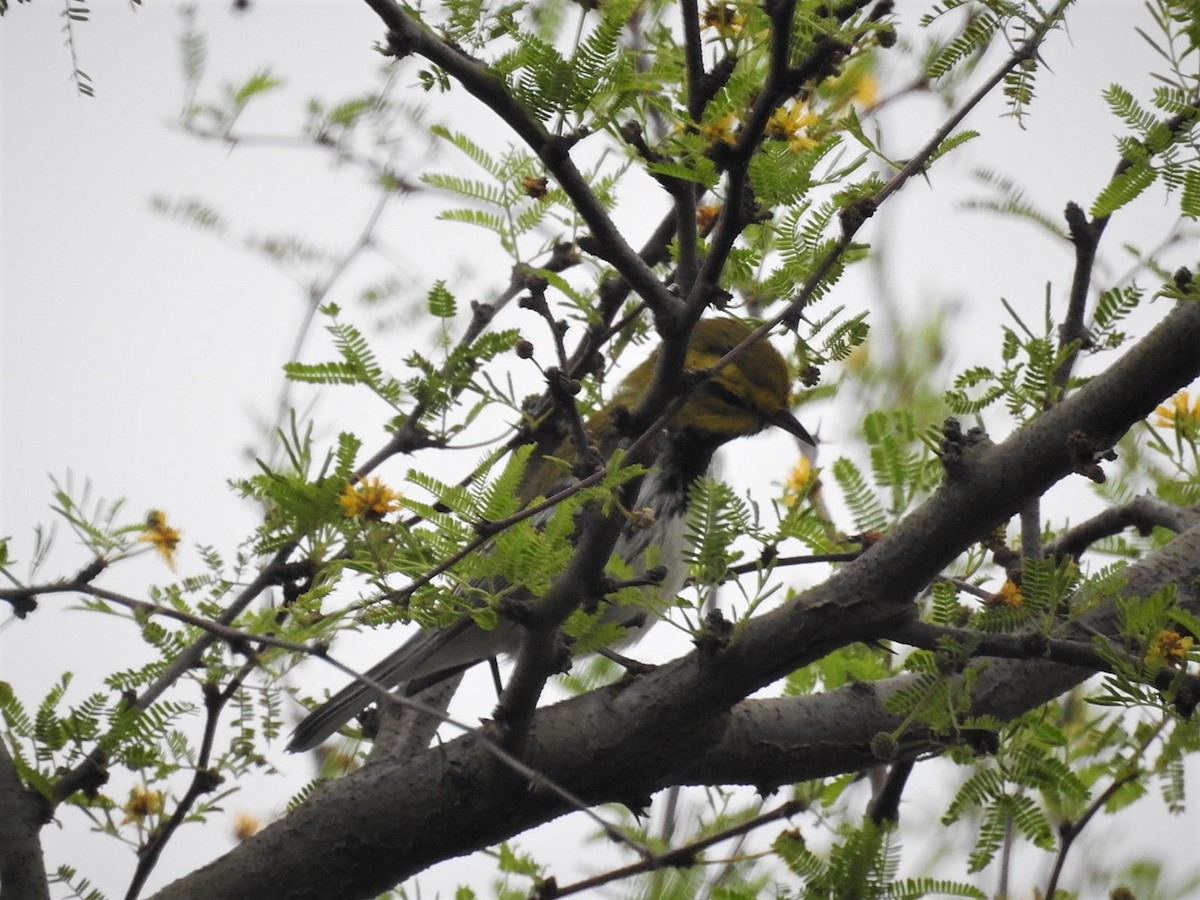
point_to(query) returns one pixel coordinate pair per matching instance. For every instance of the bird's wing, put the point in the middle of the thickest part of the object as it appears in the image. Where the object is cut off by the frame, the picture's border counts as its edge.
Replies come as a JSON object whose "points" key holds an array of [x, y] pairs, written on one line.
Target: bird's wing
{"points": [[430, 656]]}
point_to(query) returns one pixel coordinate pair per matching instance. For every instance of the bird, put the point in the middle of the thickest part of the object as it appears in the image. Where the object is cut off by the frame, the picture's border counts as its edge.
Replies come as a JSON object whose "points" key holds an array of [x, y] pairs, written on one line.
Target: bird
{"points": [[741, 399]]}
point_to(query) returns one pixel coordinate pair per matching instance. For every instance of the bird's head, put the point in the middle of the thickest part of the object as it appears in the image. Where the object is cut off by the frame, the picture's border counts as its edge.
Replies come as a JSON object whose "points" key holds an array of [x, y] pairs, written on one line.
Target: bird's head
{"points": [[743, 398]]}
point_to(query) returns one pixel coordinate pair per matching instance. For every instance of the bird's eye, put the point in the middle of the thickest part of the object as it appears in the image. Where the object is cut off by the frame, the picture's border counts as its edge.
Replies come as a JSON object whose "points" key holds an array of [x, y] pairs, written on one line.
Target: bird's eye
{"points": [[726, 396]]}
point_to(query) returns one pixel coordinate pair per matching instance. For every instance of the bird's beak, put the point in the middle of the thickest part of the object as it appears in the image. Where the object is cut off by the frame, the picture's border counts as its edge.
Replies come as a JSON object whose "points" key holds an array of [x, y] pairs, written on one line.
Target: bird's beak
{"points": [[784, 419]]}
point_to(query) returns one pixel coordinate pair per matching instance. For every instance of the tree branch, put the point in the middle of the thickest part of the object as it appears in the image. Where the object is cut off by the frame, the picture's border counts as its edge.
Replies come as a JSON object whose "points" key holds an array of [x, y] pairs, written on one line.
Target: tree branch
{"points": [[408, 35], [389, 821], [1143, 513], [22, 869]]}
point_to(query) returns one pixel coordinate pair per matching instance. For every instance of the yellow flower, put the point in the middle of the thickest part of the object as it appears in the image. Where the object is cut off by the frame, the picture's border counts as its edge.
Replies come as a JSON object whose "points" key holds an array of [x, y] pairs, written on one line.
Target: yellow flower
{"points": [[720, 130], [866, 92], [1168, 648], [245, 825], [798, 480], [723, 18], [370, 499], [142, 803], [162, 536], [786, 123], [535, 187], [706, 215], [1008, 595], [1181, 414]]}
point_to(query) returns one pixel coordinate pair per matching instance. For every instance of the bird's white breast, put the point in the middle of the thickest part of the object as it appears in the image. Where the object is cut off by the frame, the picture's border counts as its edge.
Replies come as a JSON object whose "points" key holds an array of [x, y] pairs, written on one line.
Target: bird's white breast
{"points": [[660, 542]]}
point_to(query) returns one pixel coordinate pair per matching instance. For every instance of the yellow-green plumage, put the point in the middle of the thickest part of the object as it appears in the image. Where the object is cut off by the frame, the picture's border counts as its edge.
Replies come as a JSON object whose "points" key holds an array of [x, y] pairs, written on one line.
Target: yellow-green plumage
{"points": [[743, 398]]}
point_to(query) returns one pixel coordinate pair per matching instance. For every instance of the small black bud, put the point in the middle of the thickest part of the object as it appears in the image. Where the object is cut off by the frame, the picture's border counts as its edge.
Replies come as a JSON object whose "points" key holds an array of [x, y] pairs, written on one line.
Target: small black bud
{"points": [[536, 284]]}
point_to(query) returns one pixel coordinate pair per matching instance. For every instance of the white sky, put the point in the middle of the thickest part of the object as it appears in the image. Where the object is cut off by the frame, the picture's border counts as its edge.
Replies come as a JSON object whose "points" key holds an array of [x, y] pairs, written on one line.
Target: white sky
{"points": [[142, 355]]}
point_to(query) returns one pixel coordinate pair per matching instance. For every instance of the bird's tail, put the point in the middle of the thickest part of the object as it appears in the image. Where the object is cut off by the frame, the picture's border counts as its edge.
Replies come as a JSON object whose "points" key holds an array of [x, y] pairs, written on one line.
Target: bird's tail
{"points": [[425, 659]]}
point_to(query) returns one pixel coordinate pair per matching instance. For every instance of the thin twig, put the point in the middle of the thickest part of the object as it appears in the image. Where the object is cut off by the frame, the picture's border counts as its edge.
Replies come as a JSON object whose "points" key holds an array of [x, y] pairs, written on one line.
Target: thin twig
{"points": [[204, 780], [1069, 831], [241, 642], [1034, 645], [806, 560], [410, 35], [679, 857], [188, 658], [317, 294]]}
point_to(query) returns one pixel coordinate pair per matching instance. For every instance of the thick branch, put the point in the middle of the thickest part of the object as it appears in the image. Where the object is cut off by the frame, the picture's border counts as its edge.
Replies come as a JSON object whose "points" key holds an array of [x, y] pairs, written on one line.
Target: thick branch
{"points": [[1143, 513], [770, 743], [22, 871], [391, 821]]}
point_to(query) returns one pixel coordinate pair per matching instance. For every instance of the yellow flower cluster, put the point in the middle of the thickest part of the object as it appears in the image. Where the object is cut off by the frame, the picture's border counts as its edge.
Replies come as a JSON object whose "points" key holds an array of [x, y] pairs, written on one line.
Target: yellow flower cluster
{"points": [[720, 130], [788, 124], [142, 804], [798, 481], [245, 825], [160, 535], [369, 499], [1009, 595], [1169, 648], [723, 18], [706, 216], [866, 92], [1181, 414]]}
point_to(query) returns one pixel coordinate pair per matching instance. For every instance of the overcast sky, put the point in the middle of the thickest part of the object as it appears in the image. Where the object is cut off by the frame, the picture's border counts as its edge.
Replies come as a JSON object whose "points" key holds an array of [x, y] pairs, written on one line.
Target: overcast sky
{"points": [[144, 356]]}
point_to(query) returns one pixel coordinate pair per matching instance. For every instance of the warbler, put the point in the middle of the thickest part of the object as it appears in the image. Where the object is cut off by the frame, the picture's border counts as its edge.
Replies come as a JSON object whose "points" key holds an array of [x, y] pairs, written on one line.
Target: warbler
{"points": [[741, 399]]}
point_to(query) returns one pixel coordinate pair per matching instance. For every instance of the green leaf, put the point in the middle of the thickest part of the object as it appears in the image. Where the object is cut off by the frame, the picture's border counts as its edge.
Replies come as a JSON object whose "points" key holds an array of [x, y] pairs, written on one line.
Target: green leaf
{"points": [[952, 143], [716, 517], [441, 301], [1189, 203], [698, 169], [256, 84], [1124, 188], [469, 188], [974, 39], [1010, 199], [321, 373], [348, 446], [864, 506], [477, 154]]}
